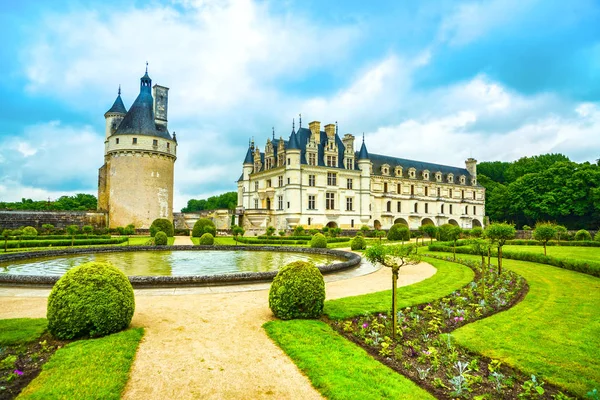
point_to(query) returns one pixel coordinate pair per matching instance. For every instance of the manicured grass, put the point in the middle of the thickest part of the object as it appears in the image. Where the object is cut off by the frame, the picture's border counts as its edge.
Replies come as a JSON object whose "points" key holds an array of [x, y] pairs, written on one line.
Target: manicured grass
{"points": [[554, 332], [572, 252], [87, 369], [336, 367], [449, 277], [21, 330]]}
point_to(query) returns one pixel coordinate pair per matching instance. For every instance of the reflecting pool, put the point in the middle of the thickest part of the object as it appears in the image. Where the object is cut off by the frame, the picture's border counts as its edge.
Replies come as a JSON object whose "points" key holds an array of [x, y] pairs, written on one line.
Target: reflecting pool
{"points": [[170, 263]]}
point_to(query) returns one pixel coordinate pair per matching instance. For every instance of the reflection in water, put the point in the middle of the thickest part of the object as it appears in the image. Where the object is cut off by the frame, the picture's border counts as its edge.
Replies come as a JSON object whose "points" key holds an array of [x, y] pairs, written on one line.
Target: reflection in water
{"points": [[169, 263]]}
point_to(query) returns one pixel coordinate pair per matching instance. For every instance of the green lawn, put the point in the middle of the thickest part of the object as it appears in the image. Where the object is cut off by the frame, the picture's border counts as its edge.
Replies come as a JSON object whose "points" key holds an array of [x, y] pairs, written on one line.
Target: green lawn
{"points": [[553, 332], [87, 369], [336, 367], [21, 330], [449, 277], [572, 252]]}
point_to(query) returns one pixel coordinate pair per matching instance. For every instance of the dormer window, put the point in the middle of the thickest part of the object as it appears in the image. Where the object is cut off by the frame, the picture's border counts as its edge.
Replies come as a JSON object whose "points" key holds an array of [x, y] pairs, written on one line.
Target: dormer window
{"points": [[398, 171], [474, 181], [385, 169], [412, 173], [463, 179], [450, 178], [438, 176], [426, 175]]}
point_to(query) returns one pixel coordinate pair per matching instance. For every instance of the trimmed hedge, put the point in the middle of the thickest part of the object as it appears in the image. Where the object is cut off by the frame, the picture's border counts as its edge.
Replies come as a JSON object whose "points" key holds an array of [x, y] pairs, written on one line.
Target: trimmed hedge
{"points": [[399, 232], [358, 243], [318, 241], [64, 242], [94, 299], [531, 242], [162, 224], [285, 237], [298, 291], [586, 267], [182, 232], [583, 235], [206, 240], [59, 237], [202, 226], [246, 240], [160, 239]]}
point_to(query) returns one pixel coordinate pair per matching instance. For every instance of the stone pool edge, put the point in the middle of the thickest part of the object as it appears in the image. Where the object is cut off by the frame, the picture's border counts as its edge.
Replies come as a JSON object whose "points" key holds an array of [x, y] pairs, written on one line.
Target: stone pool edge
{"points": [[352, 260]]}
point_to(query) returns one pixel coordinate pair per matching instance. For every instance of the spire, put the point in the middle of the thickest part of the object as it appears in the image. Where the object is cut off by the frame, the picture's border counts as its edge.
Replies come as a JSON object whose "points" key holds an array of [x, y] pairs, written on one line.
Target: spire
{"points": [[118, 107], [363, 154], [293, 142], [293, 125], [336, 128], [145, 82], [249, 158], [299, 121]]}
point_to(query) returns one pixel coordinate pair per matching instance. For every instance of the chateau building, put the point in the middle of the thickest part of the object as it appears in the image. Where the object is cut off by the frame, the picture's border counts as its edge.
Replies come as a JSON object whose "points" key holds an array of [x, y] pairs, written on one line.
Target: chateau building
{"points": [[317, 179], [135, 184]]}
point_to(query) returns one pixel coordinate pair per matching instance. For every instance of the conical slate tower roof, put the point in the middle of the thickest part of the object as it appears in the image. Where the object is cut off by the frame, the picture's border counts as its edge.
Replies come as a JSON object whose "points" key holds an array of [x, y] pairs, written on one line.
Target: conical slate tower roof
{"points": [[118, 107], [363, 154], [249, 157], [293, 142], [140, 117]]}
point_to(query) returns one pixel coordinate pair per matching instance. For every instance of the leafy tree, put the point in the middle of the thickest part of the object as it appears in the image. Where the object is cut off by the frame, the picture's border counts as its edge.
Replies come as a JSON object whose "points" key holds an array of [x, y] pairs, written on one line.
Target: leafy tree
{"points": [[398, 232], [298, 230], [560, 231], [282, 233], [79, 202], [544, 232], [394, 257], [365, 229], [480, 247], [87, 229], [48, 228], [160, 225], [451, 233], [499, 233], [418, 234], [270, 231], [6, 234], [335, 232], [582, 234], [30, 231], [430, 230], [72, 231], [379, 234], [202, 226], [237, 231], [226, 200], [18, 233]]}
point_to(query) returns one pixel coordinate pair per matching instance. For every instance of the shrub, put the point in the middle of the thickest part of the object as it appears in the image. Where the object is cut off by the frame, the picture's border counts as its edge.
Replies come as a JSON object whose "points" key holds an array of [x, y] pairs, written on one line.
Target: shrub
{"points": [[206, 240], [163, 225], [298, 291], [526, 228], [399, 232], [597, 236], [94, 299], [30, 231], [160, 239], [299, 230], [202, 226], [358, 243], [583, 235], [477, 232], [318, 241]]}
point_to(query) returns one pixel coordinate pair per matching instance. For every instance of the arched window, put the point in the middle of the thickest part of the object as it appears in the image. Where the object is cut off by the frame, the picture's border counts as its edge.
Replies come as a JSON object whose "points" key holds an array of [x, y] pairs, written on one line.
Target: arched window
{"points": [[416, 207]]}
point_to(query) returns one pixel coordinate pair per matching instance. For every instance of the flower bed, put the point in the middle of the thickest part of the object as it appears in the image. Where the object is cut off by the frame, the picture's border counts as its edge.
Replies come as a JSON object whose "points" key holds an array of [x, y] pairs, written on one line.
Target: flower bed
{"points": [[425, 351]]}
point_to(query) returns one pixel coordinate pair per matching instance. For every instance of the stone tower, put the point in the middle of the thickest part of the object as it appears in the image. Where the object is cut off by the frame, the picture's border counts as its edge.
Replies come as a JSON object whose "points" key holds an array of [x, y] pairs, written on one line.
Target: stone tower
{"points": [[135, 184]]}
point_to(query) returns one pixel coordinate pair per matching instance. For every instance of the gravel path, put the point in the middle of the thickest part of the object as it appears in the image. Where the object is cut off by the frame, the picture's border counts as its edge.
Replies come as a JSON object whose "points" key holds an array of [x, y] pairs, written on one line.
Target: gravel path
{"points": [[212, 346]]}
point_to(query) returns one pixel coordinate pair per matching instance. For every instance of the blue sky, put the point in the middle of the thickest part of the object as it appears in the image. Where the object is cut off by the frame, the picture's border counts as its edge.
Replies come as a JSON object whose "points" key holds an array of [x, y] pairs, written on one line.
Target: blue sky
{"points": [[437, 81]]}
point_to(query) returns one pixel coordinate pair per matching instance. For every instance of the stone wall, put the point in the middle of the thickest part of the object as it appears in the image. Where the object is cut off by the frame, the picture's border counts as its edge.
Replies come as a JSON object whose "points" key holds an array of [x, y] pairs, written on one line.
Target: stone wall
{"points": [[221, 219], [60, 219]]}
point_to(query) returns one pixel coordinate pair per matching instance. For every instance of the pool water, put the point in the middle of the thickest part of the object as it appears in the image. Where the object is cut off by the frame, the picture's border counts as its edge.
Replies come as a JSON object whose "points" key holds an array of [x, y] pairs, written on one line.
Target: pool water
{"points": [[170, 263]]}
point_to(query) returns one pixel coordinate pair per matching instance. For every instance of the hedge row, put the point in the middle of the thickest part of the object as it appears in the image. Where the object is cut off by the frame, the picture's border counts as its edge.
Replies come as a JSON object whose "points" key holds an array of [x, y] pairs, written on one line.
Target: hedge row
{"points": [[531, 242], [269, 241], [586, 267], [64, 242], [57, 237], [303, 237]]}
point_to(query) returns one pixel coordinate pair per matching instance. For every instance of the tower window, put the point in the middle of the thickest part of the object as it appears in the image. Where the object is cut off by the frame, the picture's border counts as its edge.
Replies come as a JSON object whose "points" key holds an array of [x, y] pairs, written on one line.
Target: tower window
{"points": [[168, 145], [349, 205], [416, 207], [474, 195], [385, 187], [426, 191], [155, 142], [426, 207], [134, 140], [412, 190], [349, 184], [311, 202], [117, 140]]}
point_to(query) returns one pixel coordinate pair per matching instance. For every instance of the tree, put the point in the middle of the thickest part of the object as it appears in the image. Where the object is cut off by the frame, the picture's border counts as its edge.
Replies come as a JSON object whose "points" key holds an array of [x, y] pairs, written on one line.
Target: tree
{"points": [[335, 232], [430, 230], [544, 231], [270, 231], [418, 234], [72, 231], [450, 233], [48, 228], [226, 200], [398, 232], [87, 229], [6, 234], [237, 230], [500, 233], [298, 230], [480, 247], [18, 233], [365, 230], [560, 231], [379, 234], [394, 257]]}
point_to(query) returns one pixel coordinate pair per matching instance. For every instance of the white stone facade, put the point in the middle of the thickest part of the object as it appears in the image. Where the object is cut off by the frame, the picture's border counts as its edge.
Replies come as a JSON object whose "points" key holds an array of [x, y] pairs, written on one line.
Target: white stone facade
{"points": [[371, 190]]}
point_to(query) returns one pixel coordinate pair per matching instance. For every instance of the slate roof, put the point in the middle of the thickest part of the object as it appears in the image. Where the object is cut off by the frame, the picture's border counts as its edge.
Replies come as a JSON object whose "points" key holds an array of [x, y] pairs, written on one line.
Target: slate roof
{"points": [[118, 106], [378, 160], [363, 154], [139, 120]]}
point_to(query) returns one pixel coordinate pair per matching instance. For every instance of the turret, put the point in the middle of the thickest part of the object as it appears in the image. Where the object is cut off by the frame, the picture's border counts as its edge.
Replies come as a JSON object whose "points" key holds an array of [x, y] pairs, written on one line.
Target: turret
{"points": [[471, 164], [115, 115]]}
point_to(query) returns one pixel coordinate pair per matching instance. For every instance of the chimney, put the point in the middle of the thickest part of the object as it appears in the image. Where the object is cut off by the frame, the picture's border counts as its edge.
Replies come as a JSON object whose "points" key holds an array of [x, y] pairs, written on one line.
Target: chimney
{"points": [[348, 141], [161, 102], [315, 130], [330, 131], [471, 164]]}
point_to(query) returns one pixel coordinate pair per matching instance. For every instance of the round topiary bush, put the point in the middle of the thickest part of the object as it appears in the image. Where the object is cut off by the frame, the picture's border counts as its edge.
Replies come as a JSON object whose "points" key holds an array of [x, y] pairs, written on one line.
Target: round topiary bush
{"points": [[358, 243], [164, 225], [93, 299], [298, 291], [30, 231], [318, 241], [202, 226], [161, 239], [583, 235], [398, 232], [206, 240]]}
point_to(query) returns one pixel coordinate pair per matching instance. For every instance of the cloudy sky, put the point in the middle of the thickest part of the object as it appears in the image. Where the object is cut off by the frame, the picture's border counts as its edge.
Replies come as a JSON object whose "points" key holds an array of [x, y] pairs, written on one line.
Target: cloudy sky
{"points": [[437, 81]]}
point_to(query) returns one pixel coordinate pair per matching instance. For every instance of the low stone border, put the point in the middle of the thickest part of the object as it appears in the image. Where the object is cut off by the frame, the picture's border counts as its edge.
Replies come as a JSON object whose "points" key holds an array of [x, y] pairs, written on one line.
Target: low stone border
{"points": [[352, 260]]}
